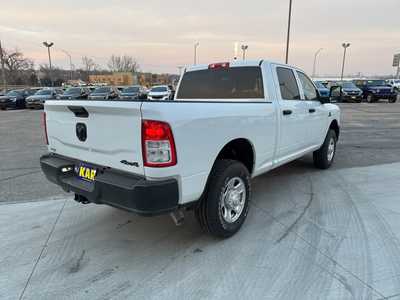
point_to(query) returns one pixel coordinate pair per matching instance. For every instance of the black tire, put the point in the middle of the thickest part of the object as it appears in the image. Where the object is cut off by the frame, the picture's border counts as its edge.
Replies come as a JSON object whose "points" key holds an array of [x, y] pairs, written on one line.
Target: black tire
{"points": [[322, 159], [370, 98], [392, 100], [211, 211]]}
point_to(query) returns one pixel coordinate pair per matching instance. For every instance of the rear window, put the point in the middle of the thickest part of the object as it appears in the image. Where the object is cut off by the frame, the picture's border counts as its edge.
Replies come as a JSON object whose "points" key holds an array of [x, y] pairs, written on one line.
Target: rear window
{"points": [[223, 83]]}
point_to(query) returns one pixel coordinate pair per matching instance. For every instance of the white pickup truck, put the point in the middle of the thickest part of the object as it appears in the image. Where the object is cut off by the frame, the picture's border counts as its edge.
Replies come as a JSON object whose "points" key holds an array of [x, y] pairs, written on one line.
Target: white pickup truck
{"points": [[228, 122]]}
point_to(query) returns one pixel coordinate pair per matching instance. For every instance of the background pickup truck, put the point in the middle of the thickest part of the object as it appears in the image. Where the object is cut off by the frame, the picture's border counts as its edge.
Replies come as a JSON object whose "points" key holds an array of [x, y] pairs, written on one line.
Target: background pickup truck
{"points": [[228, 122]]}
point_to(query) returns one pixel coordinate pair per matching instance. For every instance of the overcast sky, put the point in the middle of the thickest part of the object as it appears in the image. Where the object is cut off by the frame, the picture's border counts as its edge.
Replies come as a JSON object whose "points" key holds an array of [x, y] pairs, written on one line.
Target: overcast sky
{"points": [[161, 33]]}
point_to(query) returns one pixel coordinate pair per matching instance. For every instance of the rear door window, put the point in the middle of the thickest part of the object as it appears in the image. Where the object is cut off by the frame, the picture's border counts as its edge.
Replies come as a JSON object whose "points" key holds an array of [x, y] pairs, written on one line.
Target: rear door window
{"points": [[222, 83], [287, 84]]}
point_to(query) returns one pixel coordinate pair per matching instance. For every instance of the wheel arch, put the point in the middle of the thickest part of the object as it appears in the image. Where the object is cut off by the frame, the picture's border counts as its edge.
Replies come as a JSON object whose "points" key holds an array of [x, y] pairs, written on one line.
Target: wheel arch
{"points": [[240, 149]]}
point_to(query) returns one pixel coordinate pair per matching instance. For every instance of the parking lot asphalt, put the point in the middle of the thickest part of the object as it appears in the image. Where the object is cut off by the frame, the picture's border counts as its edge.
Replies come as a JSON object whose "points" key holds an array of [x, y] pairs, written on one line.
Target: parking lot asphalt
{"points": [[310, 234]]}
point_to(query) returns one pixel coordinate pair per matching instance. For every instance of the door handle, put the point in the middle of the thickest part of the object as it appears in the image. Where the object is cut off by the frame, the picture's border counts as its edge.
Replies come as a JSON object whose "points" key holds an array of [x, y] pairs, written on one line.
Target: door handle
{"points": [[287, 112], [311, 110]]}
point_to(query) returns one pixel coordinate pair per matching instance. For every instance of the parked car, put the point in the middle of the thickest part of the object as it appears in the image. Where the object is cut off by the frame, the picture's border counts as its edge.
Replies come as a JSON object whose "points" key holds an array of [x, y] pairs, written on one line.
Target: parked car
{"points": [[15, 98], [346, 91], [197, 152], [160, 92], [38, 99], [373, 90], [104, 93], [395, 83], [133, 92], [322, 89], [74, 93]]}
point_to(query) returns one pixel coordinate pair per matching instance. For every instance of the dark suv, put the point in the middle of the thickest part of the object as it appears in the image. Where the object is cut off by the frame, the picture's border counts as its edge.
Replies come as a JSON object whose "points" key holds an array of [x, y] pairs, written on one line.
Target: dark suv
{"points": [[74, 93], [373, 90], [133, 92], [104, 93], [346, 91], [15, 98]]}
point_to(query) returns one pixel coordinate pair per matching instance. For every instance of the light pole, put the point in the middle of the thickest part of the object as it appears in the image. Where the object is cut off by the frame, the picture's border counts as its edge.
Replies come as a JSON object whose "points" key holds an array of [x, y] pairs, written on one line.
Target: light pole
{"points": [[288, 32], [48, 46], [70, 62], [244, 48], [345, 46], [195, 52], [315, 61]]}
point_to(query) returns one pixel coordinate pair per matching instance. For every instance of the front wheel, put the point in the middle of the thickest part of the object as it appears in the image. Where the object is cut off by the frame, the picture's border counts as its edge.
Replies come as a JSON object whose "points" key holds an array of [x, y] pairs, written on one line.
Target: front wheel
{"points": [[324, 156], [225, 204], [392, 100], [370, 98]]}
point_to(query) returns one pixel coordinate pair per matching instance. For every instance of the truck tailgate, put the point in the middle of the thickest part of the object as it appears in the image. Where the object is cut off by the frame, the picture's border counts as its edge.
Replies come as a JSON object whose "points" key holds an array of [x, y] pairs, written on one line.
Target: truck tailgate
{"points": [[113, 132]]}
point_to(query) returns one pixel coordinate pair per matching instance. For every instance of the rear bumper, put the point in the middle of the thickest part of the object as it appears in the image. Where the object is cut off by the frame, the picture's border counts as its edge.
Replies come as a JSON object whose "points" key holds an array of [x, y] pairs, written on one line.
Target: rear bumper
{"points": [[119, 189]]}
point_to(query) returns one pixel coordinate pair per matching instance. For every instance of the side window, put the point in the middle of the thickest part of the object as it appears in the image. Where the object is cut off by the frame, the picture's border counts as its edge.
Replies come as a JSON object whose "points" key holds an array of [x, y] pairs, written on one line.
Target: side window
{"points": [[309, 90], [287, 84]]}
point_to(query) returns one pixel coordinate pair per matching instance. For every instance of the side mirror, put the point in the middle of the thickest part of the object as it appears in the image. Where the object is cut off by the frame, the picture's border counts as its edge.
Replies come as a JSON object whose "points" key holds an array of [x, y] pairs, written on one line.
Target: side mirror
{"points": [[324, 99]]}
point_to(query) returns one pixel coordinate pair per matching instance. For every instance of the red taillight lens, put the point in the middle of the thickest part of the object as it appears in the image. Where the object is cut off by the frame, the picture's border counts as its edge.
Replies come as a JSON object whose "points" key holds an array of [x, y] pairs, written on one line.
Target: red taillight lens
{"points": [[158, 146], [223, 65], [44, 124]]}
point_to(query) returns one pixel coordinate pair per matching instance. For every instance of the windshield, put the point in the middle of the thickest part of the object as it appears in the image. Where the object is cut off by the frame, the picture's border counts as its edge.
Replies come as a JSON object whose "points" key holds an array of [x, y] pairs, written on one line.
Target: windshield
{"points": [[159, 89], [102, 90], [72, 91], [376, 82], [131, 89], [44, 92], [348, 85], [320, 85], [14, 93], [222, 83]]}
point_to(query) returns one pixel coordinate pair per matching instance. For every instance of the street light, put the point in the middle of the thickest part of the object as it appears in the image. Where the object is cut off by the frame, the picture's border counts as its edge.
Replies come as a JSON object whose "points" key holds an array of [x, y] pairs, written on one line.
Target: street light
{"points": [[195, 52], [244, 48], [345, 46], [315, 61], [288, 32], [48, 46], [70, 61]]}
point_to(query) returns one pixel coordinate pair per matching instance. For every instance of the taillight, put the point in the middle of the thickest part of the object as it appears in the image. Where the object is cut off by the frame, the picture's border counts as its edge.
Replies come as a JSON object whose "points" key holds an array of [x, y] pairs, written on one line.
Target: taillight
{"points": [[223, 65], [158, 146], [44, 124]]}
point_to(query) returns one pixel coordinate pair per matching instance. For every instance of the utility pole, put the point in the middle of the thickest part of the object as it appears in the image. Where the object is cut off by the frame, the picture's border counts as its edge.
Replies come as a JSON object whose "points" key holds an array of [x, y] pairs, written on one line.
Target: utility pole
{"points": [[195, 53], [244, 49], [315, 62], [345, 46], [48, 46], [288, 32], [3, 71]]}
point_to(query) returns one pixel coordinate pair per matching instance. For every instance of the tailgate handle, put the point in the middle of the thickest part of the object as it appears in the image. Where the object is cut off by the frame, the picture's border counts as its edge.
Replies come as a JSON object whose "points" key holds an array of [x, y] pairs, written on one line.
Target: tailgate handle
{"points": [[79, 111]]}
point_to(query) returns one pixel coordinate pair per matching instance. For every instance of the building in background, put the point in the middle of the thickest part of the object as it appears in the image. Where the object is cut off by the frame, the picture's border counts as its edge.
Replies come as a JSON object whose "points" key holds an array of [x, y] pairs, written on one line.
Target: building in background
{"points": [[114, 79]]}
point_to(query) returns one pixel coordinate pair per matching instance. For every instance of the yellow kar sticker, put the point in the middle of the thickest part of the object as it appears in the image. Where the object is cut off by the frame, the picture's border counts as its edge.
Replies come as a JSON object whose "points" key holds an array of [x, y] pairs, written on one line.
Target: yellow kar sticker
{"points": [[87, 173]]}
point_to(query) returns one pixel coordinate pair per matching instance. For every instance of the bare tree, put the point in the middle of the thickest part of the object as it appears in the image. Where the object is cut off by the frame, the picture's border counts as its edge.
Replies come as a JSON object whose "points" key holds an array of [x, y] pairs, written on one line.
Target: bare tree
{"points": [[89, 66], [124, 63], [18, 68]]}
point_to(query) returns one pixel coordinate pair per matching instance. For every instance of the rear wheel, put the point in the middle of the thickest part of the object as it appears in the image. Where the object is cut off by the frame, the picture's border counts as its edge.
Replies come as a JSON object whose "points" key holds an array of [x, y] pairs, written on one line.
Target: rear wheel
{"points": [[324, 156], [225, 203]]}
